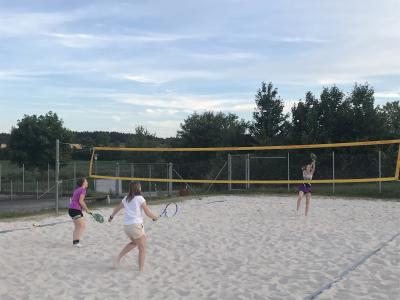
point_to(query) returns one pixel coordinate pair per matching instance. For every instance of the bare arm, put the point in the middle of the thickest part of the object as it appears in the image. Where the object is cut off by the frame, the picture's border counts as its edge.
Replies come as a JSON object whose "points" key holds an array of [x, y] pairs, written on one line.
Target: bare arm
{"points": [[148, 212], [313, 167], [83, 204], [115, 211]]}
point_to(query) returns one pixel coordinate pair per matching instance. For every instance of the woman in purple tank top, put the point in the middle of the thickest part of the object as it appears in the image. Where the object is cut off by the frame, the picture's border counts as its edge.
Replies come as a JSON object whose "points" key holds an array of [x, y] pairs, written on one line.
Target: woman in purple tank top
{"points": [[75, 210], [305, 188]]}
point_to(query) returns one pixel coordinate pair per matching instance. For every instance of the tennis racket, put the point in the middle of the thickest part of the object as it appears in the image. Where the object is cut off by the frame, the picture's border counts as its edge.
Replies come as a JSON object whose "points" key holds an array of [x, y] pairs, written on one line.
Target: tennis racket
{"points": [[170, 210], [97, 217]]}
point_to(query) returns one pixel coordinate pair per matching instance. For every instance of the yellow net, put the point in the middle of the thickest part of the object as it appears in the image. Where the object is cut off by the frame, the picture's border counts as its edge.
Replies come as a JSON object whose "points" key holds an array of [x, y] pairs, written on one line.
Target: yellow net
{"points": [[353, 162]]}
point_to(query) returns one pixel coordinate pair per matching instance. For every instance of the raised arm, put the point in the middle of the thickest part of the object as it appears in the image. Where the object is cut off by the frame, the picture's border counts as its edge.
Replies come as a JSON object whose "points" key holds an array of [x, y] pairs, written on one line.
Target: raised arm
{"points": [[148, 212], [312, 167], [115, 211]]}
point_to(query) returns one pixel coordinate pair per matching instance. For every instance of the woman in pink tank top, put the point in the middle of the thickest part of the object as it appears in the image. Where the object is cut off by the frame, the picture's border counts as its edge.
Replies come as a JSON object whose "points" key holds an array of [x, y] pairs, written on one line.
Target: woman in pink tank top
{"points": [[75, 210]]}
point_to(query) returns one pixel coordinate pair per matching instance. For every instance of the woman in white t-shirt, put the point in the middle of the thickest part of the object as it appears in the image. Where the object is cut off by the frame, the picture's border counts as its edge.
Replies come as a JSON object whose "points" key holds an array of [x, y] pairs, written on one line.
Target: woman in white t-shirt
{"points": [[134, 205]]}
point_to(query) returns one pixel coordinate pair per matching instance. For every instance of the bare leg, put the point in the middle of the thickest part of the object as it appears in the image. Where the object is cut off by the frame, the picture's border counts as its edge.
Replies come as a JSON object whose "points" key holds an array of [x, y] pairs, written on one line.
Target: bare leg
{"points": [[79, 227], [308, 199], [126, 249], [141, 242], [299, 199]]}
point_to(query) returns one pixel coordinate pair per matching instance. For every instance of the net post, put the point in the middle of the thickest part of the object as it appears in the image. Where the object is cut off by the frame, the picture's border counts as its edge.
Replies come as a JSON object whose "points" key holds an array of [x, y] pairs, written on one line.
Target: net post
{"points": [[91, 162], [333, 171], [95, 172], [396, 175], [229, 172]]}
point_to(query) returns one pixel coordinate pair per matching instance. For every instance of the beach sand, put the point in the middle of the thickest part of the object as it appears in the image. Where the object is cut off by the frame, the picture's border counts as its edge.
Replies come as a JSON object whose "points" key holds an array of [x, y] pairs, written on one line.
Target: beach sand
{"points": [[219, 247]]}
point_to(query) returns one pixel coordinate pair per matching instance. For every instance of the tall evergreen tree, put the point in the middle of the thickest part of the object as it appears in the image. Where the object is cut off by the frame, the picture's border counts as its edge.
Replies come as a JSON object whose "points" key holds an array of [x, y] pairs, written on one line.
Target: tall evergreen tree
{"points": [[269, 126]]}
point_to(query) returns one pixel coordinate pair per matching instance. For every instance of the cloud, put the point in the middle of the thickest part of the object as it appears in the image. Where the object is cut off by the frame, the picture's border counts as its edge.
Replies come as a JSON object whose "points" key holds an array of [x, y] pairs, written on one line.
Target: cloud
{"points": [[25, 24], [226, 56], [87, 40], [302, 40], [185, 102], [18, 74], [158, 112], [164, 128], [161, 77], [388, 94]]}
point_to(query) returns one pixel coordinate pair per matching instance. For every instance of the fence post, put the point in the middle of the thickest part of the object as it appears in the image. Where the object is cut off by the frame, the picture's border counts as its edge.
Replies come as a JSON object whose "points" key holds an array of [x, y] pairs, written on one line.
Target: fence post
{"points": [[37, 189], [288, 171], [0, 177], [57, 171], [247, 164], [11, 189], [23, 178], [170, 178], [48, 176], [150, 178], [333, 171], [117, 175], [229, 172], [380, 171], [75, 172]]}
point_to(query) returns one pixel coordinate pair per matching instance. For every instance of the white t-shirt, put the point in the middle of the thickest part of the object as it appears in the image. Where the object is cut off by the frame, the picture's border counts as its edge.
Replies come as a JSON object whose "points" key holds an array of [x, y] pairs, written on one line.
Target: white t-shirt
{"points": [[307, 176], [133, 210]]}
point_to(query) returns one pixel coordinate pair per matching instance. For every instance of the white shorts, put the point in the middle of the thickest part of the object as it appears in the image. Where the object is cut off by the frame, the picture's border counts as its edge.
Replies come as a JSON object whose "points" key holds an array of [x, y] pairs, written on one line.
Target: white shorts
{"points": [[134, 231]]}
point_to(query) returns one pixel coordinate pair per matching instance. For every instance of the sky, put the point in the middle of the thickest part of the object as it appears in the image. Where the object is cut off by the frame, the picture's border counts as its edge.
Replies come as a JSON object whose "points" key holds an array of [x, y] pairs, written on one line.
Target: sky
{"points": [[114, 65]]}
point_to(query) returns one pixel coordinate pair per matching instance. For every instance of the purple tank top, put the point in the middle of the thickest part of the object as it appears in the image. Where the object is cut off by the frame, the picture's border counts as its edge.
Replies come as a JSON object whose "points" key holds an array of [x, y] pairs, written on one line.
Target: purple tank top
{"points": [[75, 198]]}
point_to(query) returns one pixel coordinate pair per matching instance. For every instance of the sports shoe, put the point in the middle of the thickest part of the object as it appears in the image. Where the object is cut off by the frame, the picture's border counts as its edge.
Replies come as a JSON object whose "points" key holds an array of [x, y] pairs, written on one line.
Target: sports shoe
{"points": [[79, 245]]}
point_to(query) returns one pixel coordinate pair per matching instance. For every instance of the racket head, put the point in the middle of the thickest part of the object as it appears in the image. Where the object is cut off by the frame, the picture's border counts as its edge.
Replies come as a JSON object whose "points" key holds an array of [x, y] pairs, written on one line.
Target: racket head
{"points": [[170, 210], [98, 217]]}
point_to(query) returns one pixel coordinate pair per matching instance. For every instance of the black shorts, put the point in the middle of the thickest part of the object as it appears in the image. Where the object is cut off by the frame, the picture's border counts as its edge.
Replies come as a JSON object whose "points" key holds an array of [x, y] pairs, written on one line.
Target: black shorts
{"points": [[75, 213]]}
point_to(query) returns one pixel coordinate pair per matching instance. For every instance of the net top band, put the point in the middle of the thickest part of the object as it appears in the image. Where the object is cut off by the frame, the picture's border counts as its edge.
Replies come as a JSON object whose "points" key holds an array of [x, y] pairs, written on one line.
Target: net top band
{"points": [[252, 148]]}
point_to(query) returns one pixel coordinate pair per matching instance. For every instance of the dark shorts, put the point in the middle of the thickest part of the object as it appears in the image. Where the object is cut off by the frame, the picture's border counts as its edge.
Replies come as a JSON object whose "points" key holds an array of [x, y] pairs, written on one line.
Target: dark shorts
{"points": [[305, 188], [75, 213]]}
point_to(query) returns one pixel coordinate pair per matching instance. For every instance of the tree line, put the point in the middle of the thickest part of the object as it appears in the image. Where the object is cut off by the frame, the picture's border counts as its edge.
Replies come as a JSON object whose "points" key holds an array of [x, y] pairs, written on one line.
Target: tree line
{"points": [[332, 116]]}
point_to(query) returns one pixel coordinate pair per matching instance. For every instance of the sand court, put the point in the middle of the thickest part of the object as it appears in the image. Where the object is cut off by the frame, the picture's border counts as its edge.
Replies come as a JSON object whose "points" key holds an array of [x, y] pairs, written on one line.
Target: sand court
{"points": [[219, 247]]}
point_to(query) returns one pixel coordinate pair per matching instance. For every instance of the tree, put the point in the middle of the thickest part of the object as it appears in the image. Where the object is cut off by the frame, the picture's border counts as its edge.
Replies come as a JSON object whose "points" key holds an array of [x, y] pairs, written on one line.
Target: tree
{"points": [[142, 138], [333, 119], [304, 127], [32, 141], [391, 114], [208, 129], [213, 130], [270, 123], [366, 123]]}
